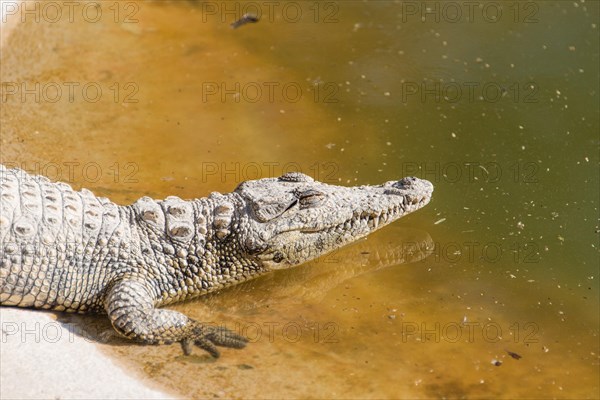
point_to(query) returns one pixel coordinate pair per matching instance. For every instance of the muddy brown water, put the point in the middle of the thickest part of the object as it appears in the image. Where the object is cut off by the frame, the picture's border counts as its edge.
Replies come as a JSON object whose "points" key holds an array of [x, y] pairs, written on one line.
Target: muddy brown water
{"points": [[499, 112]]}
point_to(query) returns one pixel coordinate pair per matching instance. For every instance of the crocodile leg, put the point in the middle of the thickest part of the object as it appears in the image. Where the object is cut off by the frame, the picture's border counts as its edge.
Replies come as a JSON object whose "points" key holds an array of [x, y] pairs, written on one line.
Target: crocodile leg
{"points": [[130, 307]]}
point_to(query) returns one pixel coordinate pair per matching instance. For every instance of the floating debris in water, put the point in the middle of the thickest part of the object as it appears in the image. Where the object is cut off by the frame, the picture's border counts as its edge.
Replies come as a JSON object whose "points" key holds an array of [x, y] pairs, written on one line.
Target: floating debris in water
{"points": [[514, 355], [246, 18], [497, 363], [545, 349], [439, 221]]}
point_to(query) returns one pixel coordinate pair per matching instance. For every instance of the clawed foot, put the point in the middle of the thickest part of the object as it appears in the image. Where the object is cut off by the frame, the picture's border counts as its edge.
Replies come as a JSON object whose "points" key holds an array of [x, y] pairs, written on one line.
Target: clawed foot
{"points": [[209, 337]]}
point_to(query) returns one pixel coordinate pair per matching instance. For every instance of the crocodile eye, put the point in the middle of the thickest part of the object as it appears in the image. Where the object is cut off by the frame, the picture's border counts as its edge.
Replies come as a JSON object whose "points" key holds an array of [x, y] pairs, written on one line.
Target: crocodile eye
{"points": [[310, 198], [295, 177], [267, 212]]}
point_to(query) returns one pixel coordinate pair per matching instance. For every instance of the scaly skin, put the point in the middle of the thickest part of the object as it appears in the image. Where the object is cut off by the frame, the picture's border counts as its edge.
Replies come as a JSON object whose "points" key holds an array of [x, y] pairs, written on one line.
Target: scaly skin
{"points": [[72, 251]]}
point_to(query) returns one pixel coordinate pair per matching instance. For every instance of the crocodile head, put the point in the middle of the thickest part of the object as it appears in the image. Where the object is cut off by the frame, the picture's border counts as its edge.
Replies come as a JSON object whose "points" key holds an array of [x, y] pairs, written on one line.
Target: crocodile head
{"points": [[293, 219]]}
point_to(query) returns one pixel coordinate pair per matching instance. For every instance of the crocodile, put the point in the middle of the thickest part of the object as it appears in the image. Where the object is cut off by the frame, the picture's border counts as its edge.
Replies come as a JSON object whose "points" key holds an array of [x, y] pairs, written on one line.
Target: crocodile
{"points": [[72, 251]]}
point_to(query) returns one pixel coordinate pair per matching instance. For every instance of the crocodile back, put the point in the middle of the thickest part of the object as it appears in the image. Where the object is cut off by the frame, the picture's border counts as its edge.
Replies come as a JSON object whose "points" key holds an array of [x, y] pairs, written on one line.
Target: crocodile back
{"points": [[55, 243]]}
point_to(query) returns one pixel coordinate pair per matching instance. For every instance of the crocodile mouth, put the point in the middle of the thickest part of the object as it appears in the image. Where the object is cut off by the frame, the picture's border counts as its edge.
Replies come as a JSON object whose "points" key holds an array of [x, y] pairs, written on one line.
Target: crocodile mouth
{"points": [[370, 219]]}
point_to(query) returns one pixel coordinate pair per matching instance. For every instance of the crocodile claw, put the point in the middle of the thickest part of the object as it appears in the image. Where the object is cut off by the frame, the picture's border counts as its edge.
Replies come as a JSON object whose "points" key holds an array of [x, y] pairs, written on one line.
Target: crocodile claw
{"points": [[209, 337]]}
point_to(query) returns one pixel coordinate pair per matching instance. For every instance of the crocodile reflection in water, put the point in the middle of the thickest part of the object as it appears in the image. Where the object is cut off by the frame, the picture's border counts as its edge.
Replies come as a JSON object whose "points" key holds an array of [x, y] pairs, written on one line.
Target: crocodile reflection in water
{"points": [[311, 282]]}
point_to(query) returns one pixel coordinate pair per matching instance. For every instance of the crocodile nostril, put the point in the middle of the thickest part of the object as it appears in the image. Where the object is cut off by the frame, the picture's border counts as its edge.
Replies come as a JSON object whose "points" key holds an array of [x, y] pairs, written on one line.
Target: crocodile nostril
{"points": [[408, 181]]}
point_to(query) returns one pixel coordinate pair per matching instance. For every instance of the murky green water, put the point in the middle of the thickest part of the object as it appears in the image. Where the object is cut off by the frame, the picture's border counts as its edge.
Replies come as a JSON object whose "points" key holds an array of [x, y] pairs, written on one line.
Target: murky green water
{"points": [[497, 107]]}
